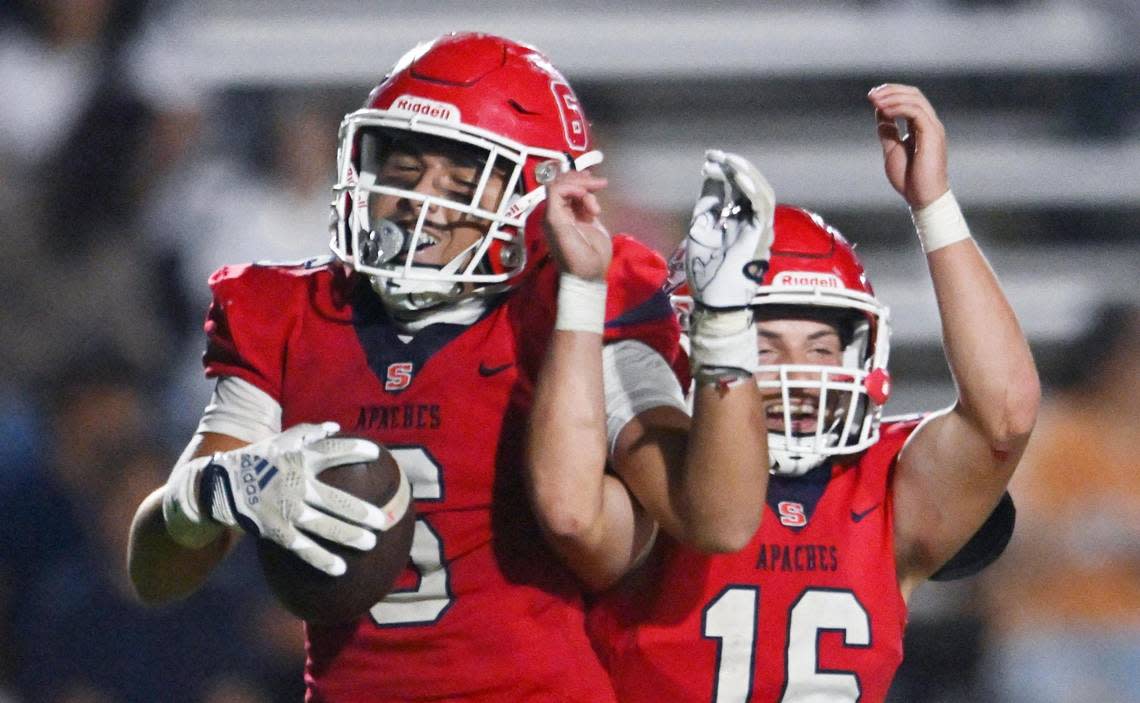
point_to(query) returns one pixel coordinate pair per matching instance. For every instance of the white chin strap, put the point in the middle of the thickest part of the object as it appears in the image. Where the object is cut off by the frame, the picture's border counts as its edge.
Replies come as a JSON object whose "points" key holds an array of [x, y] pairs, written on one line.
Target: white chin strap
{"points": [[787, 463], [415, 296]]}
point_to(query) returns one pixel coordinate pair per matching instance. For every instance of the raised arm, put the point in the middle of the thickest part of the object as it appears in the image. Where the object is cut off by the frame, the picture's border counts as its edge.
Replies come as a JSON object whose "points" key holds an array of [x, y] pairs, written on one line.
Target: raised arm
{"points": [[707, 488], [703, 485], [588, 516], [955, 468]]}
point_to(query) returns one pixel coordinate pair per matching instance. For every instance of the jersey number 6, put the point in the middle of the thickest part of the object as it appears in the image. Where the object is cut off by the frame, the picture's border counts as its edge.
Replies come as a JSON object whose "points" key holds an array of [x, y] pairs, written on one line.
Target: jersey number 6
{"points": [[426, 603]]}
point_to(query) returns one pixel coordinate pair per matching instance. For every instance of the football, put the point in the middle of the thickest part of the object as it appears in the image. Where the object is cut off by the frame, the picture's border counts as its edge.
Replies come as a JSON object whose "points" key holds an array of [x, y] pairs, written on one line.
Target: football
{"points": [[318, 598]]}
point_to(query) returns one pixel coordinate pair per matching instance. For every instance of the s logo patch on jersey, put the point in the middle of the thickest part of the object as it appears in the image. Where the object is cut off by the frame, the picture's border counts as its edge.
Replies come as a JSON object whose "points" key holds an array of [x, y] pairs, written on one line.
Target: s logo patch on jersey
{"points": [[791, 514], [399, 376]]}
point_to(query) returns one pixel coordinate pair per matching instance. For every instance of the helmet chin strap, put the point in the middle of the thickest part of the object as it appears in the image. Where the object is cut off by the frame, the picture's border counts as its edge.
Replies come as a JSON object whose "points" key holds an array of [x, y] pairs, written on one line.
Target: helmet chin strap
{"points": [[787, 463], [417, 295]]}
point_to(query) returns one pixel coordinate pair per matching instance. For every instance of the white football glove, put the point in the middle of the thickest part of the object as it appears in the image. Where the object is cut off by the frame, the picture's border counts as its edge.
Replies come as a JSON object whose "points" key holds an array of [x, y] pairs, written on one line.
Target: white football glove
{"points": [[271, 490], [731, 228], [726, 254]]}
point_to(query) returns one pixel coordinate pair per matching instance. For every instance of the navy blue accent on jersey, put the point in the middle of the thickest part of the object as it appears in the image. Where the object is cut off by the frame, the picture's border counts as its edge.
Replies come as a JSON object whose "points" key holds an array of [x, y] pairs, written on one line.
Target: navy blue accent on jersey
{"points": [[805, 490], [656, 307], [379, 335], [264, 480], [984, 547]]}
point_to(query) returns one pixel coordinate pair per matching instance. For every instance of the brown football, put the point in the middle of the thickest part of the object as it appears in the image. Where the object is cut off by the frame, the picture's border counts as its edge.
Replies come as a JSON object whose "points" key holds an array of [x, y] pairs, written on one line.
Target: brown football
{"points": [[318, 598]]}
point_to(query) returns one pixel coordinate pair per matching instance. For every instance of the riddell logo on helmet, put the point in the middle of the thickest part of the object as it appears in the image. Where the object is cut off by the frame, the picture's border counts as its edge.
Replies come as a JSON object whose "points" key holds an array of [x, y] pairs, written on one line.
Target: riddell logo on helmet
{"points": [[428, 108], [807, 278]]}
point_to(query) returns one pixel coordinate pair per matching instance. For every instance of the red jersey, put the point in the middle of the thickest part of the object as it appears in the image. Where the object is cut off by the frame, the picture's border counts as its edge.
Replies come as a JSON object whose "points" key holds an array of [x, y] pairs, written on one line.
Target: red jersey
{"points": [[484, 612], [810, 610]]}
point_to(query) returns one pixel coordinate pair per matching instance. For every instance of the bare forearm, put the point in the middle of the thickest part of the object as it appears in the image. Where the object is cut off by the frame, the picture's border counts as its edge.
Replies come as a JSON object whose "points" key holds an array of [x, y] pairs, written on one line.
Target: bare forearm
{"points": [[161, 569], [609, 547], [987, 352], [567, 440], [726, 470], [588, 516]]}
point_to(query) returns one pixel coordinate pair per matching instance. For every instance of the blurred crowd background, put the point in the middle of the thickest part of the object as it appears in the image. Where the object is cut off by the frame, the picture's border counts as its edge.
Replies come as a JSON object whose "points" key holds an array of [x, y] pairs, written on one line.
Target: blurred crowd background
{"points": [[144, 143]]}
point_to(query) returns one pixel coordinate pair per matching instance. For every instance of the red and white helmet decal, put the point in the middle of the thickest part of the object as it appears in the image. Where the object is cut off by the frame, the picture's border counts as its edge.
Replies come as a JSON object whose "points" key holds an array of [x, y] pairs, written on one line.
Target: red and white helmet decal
{"points": [[570, 112]]}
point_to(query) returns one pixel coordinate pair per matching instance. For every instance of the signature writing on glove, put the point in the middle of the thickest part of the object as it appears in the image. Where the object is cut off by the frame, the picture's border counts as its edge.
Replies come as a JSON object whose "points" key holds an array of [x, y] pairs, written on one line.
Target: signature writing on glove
{"points": [[704, 269]]}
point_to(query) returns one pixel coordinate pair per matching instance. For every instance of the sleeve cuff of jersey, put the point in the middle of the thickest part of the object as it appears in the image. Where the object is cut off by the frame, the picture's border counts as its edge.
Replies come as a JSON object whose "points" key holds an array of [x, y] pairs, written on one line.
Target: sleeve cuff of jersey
{"points": [[636, 378], [241, 410], [615, 423], [984, 547]]}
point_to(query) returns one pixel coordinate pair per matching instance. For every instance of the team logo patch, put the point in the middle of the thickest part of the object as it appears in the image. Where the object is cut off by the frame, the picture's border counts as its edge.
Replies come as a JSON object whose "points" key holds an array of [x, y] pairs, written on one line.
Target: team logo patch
{"points": [[415, 105], [399, 376], [792, 514], [807, 278]]}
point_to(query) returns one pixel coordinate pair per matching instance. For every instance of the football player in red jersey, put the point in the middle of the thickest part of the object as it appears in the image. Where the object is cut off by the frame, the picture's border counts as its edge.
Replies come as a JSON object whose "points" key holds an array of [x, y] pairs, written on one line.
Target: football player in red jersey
{"points": [[425, 333], [859, 511]]}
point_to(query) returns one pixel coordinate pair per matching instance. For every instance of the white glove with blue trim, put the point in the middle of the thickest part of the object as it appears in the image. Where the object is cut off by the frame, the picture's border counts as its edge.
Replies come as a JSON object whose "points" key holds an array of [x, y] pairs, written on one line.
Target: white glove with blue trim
{"points": [[270, 489]]}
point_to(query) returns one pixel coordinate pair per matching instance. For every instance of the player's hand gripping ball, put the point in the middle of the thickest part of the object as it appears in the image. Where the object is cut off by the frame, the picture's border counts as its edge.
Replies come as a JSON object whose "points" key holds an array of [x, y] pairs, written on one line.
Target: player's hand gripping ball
{"points": [[319, 598]]}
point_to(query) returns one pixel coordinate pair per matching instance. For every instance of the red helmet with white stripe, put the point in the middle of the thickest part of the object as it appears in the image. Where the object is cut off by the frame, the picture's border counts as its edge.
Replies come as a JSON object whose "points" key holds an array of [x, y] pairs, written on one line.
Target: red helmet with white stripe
{"points": [[510, 113]]}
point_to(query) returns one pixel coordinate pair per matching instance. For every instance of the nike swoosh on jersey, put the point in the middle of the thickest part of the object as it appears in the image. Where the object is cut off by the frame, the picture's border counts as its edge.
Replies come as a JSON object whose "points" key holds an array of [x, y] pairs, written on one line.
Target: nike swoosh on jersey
{"points": [[485, 370], [856, 517]]}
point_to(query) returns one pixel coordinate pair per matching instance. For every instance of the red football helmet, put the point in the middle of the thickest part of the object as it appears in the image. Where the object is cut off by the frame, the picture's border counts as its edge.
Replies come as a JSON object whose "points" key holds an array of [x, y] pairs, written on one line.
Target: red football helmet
{"points": [[511, 113], [813, 266]]}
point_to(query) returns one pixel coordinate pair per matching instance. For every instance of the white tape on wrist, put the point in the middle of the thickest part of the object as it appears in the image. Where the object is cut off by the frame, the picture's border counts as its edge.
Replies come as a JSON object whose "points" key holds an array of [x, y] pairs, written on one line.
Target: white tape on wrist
{"points": [[940, 223], [581, 305], [723, 340], [185, 523]]}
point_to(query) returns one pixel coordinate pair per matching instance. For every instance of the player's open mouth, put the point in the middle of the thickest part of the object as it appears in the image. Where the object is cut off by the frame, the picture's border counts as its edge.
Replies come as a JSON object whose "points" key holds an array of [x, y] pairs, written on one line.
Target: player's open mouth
{"points": [[426, 241], [804, 417]]}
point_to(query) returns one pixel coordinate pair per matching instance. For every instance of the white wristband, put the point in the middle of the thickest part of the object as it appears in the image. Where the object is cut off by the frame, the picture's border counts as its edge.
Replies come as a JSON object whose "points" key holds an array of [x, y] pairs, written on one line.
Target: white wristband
{"points": [[723, 340], [185, 523], [940, 223], [581, 305]]}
